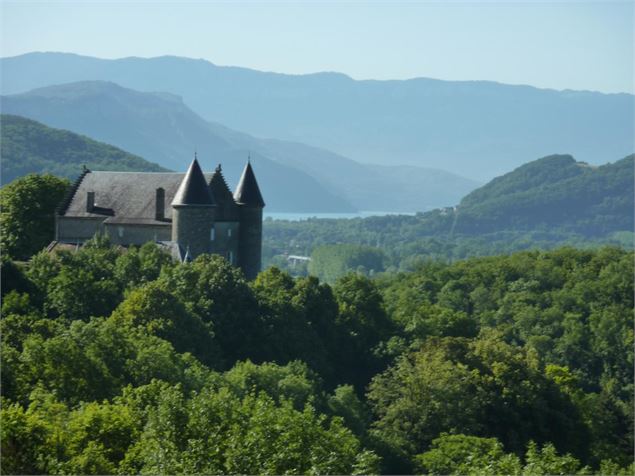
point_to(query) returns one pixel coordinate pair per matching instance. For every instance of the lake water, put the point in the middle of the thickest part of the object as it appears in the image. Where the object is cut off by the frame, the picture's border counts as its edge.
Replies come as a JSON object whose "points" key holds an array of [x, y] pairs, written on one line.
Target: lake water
{"points": [[306, 216]]}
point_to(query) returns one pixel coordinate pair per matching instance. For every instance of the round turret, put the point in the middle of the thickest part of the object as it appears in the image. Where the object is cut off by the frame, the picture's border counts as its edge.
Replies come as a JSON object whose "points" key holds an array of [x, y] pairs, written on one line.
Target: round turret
{"points": [[193, 213], [250, 205]]}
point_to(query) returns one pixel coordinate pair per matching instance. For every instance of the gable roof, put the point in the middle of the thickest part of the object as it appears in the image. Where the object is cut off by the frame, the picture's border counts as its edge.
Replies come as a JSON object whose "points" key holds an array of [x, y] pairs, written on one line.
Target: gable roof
{"points": [[247, 192], [193, 189]]}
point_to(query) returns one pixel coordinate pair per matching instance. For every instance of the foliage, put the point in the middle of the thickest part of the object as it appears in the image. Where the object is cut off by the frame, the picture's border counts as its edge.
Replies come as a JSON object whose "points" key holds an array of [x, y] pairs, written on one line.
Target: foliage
{"points": [[329, 262], [120, 362], [218, 294], [470, 455], [510, 398], [154, 311], [27, 208], [217, 433], [29, 147]]}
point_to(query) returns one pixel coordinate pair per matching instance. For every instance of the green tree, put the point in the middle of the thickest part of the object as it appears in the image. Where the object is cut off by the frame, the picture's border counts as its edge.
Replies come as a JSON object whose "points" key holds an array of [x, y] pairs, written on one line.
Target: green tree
{"points": [[424, 394], [469, 455], [286, 308], [293, 382], [218, 432], [218, 293], [27, 207], [153, 310], [88, 273], [330, 262], [141, 265], [22, 440], [362, 325]]}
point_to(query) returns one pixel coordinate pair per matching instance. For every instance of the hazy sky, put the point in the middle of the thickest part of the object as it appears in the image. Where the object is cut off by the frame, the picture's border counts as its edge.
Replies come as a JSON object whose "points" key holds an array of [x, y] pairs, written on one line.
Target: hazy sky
{"points": [[566, 44]]}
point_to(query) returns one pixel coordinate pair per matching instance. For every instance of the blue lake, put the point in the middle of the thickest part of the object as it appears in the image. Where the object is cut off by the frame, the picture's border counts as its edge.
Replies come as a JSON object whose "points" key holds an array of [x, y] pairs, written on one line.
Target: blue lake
{"points": [[306, 216]]}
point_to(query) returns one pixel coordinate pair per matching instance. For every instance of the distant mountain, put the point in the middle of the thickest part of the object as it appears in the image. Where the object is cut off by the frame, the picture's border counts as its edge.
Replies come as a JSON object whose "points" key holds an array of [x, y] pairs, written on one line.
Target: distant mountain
{"points": [[554, 192], [295, 177], [373, 187], [477, 129], [31, 147], [160, 127]]}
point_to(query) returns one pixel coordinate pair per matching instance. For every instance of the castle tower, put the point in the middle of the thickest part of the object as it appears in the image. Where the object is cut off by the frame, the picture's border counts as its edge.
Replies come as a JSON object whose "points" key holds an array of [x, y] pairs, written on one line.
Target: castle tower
{"points": [[226, 210], [194, 212], [250, 205]]}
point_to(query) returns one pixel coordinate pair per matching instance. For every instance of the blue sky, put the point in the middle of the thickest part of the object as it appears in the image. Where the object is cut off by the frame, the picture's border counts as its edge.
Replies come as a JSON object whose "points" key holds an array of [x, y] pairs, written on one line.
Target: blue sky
{"points": [[561, 45]]}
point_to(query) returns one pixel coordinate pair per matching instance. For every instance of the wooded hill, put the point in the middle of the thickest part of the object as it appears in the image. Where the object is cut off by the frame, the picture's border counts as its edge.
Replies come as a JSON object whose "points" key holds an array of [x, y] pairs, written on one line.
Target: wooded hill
{"points": [[548, 202], [28, 147], [554, 191]]}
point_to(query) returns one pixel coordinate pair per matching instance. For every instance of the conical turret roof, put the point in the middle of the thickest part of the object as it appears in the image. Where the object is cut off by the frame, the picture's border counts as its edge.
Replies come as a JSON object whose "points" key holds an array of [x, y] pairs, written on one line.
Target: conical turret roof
{"points": [[247, 193], [193, 189], [220, 190]]}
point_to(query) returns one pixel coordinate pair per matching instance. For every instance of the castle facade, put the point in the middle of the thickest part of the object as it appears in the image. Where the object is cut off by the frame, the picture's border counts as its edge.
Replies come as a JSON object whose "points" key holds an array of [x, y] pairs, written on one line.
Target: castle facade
{"points": [[187, 214]]}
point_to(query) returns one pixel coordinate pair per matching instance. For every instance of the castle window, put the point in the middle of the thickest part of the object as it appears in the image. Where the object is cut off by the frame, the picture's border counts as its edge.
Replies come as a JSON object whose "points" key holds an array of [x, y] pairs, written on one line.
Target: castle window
{"points": [[229, 232], [212, 234]]}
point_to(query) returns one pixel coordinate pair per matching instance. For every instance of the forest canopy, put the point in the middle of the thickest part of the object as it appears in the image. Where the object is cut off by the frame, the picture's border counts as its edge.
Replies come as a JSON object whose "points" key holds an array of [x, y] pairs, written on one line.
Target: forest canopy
{"points": [[518, 364]]}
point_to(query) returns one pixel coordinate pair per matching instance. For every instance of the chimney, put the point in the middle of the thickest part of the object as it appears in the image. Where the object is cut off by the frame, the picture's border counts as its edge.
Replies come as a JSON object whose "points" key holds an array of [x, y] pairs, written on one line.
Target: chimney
{"points": [[160, 204], [90, 201]]}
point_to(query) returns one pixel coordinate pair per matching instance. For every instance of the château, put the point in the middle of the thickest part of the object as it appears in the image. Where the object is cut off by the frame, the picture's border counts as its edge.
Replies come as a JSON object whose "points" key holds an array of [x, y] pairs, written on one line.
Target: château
{"points": [[187, 214]]}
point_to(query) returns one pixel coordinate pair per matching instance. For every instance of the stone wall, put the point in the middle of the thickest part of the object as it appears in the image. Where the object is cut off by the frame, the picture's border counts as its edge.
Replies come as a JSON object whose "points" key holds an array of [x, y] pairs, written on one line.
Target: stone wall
{"points": [[129, 234], [191, 227], [74, 230], [225, 242], [250, 241]]}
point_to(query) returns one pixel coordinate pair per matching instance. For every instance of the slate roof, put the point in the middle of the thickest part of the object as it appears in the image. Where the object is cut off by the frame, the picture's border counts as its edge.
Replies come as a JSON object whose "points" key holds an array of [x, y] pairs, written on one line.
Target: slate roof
{"points": [[247, 192], [220, 190], [194, 189], [130, 195]]}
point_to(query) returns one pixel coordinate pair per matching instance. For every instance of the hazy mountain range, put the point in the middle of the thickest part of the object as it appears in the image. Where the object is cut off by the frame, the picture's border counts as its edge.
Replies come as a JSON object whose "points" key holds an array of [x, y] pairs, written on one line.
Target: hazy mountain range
{"points": [[477, 129], [294, 177]]}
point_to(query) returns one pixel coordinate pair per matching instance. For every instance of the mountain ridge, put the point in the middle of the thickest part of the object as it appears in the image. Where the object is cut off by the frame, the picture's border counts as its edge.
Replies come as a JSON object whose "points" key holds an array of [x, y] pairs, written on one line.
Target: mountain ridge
{"points": [[167, 131], [479, 129], [315, 73]]}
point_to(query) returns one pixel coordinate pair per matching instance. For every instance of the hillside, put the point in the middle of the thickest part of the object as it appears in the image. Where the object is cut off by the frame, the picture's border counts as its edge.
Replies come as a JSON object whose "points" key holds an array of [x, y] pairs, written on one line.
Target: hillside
{"points": [[554, 191], [546, 203], [295, 177], [477, 129], [28, 146]]}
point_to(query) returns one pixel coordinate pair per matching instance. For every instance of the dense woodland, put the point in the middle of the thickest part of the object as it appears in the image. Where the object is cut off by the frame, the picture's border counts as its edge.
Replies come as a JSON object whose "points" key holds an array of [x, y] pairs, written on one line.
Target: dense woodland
{"points": [[516, 364], [31, 147], [120, 361]]}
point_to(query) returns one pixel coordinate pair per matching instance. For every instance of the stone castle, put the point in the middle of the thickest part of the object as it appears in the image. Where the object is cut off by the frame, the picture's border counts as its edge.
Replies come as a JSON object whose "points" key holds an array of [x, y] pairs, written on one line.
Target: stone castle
{"points": [[187, 214]]}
